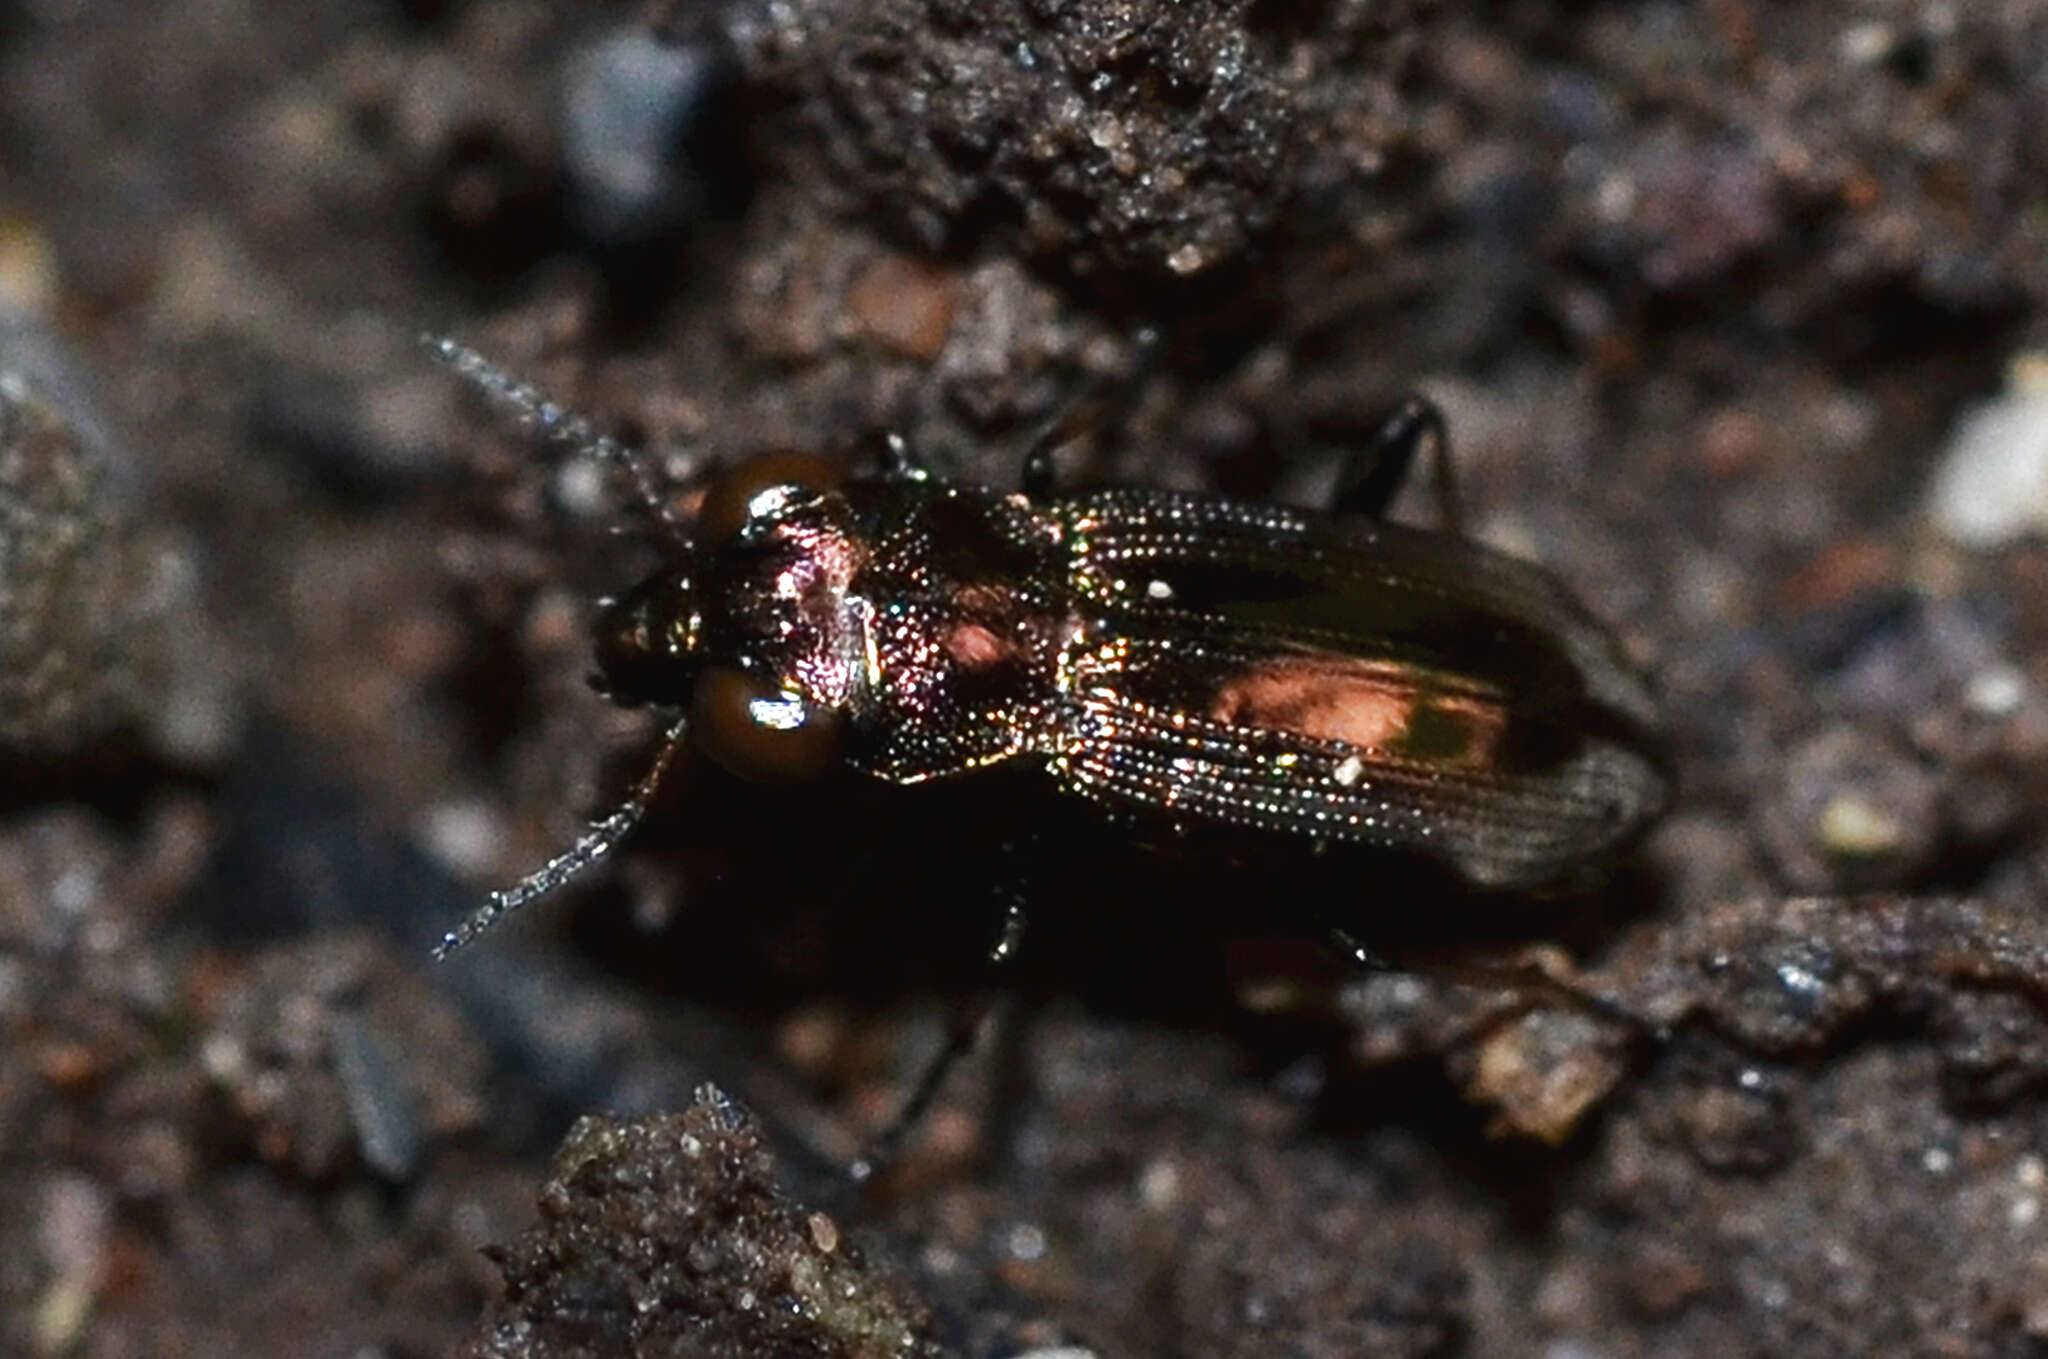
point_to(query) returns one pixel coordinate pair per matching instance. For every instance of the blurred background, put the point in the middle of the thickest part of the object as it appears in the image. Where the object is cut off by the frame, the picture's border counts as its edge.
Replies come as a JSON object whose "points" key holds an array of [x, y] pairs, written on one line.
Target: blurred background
{"points": [[1737, 314]]}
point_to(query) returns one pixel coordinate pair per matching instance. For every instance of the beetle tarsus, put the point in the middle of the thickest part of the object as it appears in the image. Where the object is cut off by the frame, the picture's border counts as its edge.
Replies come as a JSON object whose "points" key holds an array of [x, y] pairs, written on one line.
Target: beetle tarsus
{"points": [[1376, 472], [1533, 985], [961, 1031], [901, 462], [963, 1026], [1015, 922], [1348, 947], [1039, 479]]}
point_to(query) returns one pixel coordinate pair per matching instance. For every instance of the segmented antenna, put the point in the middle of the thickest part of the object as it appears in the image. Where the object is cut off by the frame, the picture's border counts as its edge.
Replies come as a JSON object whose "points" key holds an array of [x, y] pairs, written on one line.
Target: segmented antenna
{"points": [[600, 840], [554, 421]]}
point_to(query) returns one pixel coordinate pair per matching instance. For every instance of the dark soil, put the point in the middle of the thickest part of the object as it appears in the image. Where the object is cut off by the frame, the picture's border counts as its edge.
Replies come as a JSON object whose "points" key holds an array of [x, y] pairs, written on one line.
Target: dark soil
{"points": [[294, 635]]}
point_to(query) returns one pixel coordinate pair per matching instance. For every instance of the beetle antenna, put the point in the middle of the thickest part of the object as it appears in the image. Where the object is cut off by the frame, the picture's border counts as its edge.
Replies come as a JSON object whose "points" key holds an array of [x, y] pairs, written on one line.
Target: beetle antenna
{"points": [[600, 840], [556, 422]]}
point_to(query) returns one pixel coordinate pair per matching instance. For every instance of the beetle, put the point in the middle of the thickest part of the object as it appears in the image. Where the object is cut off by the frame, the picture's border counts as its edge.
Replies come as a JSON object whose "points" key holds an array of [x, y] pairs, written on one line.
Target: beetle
{"points": [[1332, 677], [1321, 678]]}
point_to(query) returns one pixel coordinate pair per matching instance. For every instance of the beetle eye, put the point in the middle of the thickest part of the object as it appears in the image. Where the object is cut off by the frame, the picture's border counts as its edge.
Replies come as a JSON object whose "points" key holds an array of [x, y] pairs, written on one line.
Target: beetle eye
{"points": [[759, 731], [726, 499]]}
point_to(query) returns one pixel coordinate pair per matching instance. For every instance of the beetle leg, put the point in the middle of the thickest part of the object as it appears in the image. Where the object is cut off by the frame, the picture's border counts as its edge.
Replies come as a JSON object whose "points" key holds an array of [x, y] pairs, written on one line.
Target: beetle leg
{"points": [[963, 1029], [1537, 985], [1532, 985], [1351, 951], [1040, 479], [901, 462], [1374, 474], [1015, 922]]}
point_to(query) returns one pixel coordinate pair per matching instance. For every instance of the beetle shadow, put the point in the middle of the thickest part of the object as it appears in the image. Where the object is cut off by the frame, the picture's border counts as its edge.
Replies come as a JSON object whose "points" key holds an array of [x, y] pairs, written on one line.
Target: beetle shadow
{"points": [[853, 892]]}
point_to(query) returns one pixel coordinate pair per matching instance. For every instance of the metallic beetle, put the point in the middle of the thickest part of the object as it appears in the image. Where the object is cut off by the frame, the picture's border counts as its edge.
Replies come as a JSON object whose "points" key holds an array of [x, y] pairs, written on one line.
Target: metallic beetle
{"points": [[1330, 677]]}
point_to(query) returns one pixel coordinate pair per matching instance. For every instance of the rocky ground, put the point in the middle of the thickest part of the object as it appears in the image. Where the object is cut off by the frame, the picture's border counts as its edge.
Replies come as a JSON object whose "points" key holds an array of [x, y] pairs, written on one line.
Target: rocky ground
{"points": [[1739, 313]]}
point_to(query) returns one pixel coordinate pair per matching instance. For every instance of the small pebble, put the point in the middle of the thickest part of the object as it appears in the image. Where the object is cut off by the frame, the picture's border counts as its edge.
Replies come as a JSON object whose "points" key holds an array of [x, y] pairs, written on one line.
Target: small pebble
{"points": [[1991, 487], [628, 105]]}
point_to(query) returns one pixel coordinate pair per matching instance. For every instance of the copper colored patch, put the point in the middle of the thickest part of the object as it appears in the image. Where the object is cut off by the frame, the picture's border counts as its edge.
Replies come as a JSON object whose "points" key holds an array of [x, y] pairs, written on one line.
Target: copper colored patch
{"points": [[1374, 705], [973, 647], [983, 634]]}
